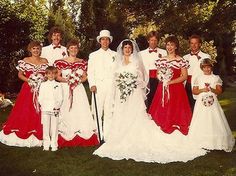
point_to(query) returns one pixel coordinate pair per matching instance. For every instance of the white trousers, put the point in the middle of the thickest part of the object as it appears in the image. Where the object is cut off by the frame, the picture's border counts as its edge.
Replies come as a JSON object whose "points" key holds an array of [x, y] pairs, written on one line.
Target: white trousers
{"points": [[103, 100], [50, 129]]}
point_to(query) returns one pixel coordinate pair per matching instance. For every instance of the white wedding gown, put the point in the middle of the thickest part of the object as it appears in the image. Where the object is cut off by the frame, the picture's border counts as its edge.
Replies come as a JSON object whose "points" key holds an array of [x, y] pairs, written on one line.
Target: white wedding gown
{"points": [[133, 135]]}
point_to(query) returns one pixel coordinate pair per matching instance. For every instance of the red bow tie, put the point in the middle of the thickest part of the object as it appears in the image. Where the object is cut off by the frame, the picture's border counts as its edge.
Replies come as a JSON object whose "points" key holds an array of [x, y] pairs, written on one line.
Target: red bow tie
{"points": [[195, 54], [58, 46], [152, 50]]}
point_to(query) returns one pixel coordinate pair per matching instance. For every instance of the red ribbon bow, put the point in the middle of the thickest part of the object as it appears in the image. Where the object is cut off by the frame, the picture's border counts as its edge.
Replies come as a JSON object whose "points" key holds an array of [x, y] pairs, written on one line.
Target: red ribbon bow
{"points": [[152, 50], [195, 54], [58, 46]]}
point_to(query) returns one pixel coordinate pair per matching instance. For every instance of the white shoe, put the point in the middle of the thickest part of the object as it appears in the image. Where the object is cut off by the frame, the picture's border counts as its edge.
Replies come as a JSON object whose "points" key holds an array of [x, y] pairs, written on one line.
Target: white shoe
{"points": [[46, 148], [54, 149]]}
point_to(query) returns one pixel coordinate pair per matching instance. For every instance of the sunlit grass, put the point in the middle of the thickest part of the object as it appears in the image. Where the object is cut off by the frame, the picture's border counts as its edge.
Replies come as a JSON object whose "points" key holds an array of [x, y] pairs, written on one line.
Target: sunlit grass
{"points": [[225, 102]]}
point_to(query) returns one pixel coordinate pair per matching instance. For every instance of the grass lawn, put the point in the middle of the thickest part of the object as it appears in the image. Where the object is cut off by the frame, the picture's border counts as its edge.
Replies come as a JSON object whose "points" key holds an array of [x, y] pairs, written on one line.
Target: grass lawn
{"points": [[16, 161]]}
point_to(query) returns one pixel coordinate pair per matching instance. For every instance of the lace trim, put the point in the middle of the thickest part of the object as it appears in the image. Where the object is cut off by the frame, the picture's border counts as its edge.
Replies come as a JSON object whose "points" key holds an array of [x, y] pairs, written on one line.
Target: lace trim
{"points": [[182, 63], [63, 65], [25, 66]]}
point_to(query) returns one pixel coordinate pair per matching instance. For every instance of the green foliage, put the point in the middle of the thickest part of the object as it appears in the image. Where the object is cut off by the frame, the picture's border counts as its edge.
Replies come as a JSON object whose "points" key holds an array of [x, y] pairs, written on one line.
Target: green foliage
{"points": [[63, 15], [14, 36], [97, 15], [34, 12], [62, 19]]}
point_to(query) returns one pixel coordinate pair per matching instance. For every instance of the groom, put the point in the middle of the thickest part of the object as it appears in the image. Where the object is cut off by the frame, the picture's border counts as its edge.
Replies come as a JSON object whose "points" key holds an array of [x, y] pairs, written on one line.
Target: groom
{"points": [[100, 75]]}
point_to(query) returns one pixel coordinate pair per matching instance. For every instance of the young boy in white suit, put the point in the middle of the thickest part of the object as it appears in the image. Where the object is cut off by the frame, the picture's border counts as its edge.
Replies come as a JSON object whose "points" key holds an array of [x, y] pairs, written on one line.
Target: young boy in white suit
{"points": [[50, 99]]}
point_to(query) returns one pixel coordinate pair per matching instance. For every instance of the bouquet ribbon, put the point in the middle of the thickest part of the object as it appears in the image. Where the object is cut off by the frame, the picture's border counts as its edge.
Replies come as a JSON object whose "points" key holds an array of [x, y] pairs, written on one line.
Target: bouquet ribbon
{"points": [[165, 88], [35, 100]]}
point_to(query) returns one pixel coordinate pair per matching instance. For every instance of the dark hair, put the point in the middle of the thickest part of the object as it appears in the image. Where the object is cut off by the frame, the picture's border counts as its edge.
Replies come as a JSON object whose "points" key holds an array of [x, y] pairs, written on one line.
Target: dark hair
{"points": [[152, 34], [173, 39], [54, 29], [194, 36], [51, 69], [33, 44], [127, 42], [73, 42], [206, 62]]}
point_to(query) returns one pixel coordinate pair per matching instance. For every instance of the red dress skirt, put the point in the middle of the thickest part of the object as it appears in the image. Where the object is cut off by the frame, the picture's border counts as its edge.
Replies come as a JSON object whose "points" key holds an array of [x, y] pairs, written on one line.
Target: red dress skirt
{"points": [[23, 126], [171, 110]]}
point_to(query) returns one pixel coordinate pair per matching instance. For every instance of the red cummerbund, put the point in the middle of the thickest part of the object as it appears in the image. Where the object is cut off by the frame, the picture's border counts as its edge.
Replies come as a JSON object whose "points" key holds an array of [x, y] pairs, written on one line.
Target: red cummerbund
{"points": [[152, 73], [189, 79]]}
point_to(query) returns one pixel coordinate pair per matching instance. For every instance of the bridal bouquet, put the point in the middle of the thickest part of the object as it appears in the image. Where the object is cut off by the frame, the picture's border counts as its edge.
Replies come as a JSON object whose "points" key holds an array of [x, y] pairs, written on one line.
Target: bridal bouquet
{"points": [[74, 79], [207, 100], [126, 82], [164, 74], [34, 82]]}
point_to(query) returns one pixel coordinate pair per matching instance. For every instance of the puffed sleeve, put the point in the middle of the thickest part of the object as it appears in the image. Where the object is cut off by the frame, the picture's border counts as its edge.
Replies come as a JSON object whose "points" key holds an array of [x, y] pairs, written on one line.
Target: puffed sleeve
{"points": [[218, 80], [184, 63], [160, 63], [59, 64], [85, 66], [21, 65]]}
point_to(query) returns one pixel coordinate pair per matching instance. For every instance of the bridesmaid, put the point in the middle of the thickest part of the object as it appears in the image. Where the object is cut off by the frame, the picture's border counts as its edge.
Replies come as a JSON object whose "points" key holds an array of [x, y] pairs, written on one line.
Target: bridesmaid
{"points": [[170, 108], [23, 127], [76, 124]]}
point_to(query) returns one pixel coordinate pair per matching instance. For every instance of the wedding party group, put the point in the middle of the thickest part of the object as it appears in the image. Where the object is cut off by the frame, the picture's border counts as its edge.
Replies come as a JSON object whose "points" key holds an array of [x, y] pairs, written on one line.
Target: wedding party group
{"points": [[151, 105]]}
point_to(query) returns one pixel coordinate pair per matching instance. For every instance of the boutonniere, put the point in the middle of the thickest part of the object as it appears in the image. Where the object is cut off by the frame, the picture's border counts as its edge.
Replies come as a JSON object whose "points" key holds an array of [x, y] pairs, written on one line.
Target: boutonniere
{"points": [[113, 58], [159, 55], [55, 86], [63, 54]]}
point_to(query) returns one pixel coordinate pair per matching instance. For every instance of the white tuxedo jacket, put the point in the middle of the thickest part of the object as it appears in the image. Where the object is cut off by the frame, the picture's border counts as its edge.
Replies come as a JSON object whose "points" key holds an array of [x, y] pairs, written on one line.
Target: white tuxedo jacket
{"points": [[101, 65], [50, 95], [194, 64], [53, 54], [150, 58]]}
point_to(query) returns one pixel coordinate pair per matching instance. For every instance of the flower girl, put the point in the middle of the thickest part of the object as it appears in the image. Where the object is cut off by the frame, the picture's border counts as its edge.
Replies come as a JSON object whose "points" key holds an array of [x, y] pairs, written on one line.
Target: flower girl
{"points": [[209, 128]]}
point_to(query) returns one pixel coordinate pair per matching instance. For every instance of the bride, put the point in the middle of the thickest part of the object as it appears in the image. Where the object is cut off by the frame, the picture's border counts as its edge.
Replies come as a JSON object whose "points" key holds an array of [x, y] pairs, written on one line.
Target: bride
{"points": [[133, 134]]}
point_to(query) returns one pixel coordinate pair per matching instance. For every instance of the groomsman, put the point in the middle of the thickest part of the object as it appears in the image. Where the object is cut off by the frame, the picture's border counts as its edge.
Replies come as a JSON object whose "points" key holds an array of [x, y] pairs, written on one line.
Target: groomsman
{"points": [[101, 65], [149, 56], [194, 57], [55, 50]]}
